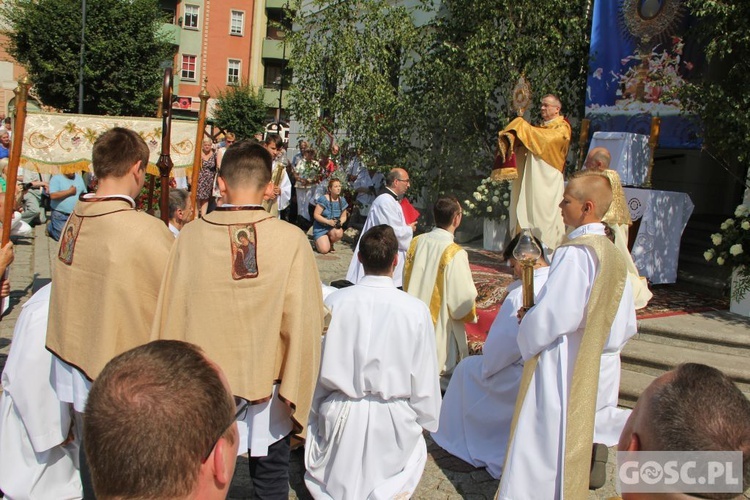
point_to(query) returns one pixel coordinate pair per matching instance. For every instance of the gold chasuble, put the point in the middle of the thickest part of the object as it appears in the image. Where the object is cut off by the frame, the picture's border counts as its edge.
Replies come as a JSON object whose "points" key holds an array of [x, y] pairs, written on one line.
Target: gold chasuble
{"points": [[549, 142], [603, 304], [245, 287], [106, 280], [618, 212]]}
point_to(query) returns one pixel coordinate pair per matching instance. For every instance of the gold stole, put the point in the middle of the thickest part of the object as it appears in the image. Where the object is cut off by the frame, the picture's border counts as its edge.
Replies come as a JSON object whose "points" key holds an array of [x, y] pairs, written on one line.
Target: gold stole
{"points": [[436, 299], [272, 206], [604, 301]]}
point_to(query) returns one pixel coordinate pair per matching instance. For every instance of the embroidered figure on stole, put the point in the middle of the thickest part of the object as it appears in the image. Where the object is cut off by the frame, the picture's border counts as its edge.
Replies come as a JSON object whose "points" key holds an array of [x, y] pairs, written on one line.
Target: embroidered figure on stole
{"points": [[243, 242], [68, 241]]}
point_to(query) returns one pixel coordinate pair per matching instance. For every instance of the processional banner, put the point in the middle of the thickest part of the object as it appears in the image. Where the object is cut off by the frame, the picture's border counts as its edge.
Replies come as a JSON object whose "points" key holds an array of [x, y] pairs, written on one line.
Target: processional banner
{"points": [[641, 54], [55, 143]]}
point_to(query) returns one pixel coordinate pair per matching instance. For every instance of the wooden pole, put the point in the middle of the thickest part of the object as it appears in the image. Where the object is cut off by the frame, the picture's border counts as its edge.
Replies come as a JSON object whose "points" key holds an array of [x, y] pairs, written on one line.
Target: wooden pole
{"points": [[152, 178], [22, 92], [165, 162], [197, 161]]}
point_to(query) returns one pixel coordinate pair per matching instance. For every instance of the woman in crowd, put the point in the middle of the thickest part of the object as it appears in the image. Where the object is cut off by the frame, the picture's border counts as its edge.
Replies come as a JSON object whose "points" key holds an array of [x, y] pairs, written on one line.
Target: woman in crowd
{"points": [[206, 176], [329, 218]]}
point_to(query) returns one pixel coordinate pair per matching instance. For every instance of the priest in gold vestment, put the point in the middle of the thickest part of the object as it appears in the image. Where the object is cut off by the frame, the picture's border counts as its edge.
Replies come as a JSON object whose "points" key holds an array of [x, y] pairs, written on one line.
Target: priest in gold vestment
{"points": [[538, 178], [618, 219], [244, 286]]}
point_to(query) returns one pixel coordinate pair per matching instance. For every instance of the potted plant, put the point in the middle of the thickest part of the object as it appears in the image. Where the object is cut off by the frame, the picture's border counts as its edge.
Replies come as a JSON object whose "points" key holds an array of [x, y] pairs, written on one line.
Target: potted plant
{"points": [[730, 247], [491, 201]]}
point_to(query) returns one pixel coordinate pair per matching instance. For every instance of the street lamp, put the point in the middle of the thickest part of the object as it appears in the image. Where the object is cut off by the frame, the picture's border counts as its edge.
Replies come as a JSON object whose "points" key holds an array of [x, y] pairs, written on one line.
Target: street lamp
{"points": [[283, 66]]}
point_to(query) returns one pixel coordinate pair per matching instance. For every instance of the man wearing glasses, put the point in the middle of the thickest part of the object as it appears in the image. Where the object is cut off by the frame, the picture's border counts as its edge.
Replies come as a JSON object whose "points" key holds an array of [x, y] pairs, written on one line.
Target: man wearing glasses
{"points": [[387, 210], [159, 397], [537, 171]]}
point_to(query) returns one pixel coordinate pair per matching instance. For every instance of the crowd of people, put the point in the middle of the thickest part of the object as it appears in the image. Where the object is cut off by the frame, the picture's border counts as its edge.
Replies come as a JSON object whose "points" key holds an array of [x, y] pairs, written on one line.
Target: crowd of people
{"points": [[160, 352]]}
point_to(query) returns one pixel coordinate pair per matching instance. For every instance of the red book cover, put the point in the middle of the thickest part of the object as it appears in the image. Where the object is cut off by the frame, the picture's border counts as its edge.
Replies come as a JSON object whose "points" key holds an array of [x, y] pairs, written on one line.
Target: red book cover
{"points": [[411, 214]]}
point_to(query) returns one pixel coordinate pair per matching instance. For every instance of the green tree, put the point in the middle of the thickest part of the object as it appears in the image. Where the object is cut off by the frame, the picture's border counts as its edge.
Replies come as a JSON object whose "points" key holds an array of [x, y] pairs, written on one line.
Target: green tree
{"points": [[428, 86], [473, 55], [348, 59], [721, 97], [123, 52], [241, 109]]}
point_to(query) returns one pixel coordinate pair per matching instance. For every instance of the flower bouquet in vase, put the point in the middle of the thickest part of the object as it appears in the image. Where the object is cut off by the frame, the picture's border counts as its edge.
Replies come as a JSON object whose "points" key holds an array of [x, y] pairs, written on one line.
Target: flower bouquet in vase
{"points": [[491, 201], [730, 247]]}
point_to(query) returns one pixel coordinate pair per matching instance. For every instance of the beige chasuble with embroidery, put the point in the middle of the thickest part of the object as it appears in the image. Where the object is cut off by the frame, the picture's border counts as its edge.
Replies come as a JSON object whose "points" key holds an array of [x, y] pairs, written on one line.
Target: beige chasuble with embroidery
{"points": [[105, 282], [245, 287]]}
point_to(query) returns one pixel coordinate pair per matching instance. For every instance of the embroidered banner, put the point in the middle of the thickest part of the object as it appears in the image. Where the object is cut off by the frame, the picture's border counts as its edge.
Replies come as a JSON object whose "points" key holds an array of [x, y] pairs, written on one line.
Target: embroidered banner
{"points": [[63, 142], [639, 57]]}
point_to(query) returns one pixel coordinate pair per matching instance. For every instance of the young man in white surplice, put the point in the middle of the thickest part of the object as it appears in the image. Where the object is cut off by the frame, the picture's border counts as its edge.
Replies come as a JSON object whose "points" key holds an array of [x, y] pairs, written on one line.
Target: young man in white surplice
{"points": [[478, 405], [378, 386]]}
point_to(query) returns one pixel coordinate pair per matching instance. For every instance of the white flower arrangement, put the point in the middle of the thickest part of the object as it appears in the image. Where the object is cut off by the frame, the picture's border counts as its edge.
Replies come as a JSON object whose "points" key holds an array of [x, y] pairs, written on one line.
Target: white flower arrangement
{"points": [[729, 248], [491, 200]]}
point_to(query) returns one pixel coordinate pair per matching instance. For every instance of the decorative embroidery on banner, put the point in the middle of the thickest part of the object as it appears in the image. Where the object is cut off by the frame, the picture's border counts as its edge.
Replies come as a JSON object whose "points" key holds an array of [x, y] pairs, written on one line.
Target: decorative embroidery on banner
{"points": [[69, 238], [244, 259]]}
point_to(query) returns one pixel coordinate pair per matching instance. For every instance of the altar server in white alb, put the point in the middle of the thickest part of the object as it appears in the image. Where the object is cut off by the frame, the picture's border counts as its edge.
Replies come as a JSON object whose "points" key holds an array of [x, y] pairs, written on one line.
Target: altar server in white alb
{"points": [[437, 272], [378, 386], [282, 186], [39, 438], [386, 209], [585, 309], [478, 405]]}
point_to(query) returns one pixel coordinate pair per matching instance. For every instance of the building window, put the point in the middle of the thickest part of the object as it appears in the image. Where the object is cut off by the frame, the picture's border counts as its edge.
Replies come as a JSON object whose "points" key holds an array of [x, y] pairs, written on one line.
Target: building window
{"points": [[237, 23], [233, 72], [191, 17], [188, 67]]}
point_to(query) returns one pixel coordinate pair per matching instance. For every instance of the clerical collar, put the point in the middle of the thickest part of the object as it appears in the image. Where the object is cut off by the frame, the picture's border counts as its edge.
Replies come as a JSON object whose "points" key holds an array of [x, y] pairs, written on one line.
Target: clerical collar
{"points": [[233, 208], [94, 197], [388, 191]]}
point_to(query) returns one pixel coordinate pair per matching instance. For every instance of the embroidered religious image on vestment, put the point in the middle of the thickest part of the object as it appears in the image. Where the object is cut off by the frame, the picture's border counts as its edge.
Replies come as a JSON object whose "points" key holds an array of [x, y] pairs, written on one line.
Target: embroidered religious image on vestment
{"points": [[68, 239], [243, 243]]}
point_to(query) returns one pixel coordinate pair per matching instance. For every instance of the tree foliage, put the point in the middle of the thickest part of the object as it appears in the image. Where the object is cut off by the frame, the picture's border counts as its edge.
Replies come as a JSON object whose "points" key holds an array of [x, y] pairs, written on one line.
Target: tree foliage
{"points": [[454, 76], [240, 109], [474, 55], [347, 59], [721, 97], [123, 52]]}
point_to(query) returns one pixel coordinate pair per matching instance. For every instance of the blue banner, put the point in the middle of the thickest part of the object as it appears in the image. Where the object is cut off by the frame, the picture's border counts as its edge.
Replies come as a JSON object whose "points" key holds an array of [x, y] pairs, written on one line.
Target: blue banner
{"points": [[640, 55]]}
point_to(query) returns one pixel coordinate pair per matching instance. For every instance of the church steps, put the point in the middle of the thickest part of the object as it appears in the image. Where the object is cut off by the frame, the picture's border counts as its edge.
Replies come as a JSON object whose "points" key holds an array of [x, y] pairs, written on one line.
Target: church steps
{"points": [[654, 359], [700, 331]]}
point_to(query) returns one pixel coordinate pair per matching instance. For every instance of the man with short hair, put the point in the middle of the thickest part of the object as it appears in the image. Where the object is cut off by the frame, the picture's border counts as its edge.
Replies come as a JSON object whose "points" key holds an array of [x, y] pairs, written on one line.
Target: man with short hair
{"points": [[537, 171], [378, 386], [437, 272], [64, 190], [584, 312], [245, 287], [692, 408], [180, 210], [386, 209], [159, 397], [106, 280], [278, 199], [618, 220]]}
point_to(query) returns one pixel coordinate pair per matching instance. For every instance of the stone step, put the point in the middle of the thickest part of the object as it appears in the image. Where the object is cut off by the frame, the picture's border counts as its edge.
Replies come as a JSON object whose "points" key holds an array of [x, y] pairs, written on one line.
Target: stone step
{"points": [[654, 359], [633, 383], [700, 332]]}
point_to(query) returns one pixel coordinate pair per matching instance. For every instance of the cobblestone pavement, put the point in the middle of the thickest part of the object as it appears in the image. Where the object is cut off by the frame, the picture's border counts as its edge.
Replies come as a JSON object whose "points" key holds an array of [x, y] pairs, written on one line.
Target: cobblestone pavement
{"points": [[445, 477]]}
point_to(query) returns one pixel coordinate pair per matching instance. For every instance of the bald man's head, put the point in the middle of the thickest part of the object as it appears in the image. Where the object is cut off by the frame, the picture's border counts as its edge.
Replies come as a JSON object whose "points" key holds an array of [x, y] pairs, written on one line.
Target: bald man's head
{"points": [[598, 159]]}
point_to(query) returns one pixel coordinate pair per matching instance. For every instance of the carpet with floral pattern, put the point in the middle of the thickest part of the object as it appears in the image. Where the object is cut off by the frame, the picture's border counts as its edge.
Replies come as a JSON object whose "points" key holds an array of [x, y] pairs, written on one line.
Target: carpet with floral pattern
{"points": [[492, 276]]}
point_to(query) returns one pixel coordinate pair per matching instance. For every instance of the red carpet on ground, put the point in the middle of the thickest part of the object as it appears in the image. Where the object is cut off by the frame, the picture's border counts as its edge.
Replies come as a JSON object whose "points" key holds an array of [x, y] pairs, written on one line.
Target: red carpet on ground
{"points": [[492, 276]]}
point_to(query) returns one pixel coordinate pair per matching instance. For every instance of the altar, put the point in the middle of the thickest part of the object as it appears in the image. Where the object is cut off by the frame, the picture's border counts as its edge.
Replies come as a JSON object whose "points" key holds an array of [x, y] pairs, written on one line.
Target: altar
{"points": [[664, 215]]}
